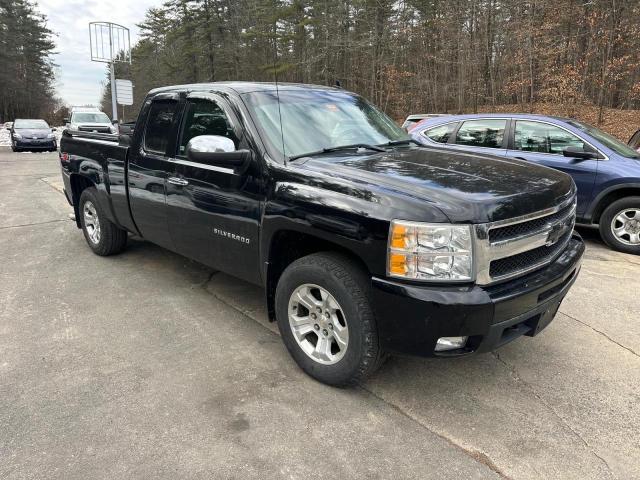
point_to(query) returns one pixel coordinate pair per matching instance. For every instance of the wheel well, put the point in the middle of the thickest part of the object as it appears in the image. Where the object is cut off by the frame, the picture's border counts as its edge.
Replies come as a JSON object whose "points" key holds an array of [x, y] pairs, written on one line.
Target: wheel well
{"points": [[286, 247], [611, 197], [78, 184]]}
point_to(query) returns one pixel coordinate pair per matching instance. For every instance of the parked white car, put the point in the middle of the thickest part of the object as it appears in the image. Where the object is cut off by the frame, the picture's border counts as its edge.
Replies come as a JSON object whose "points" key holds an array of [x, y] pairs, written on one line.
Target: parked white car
{"points": [[89, 119]]}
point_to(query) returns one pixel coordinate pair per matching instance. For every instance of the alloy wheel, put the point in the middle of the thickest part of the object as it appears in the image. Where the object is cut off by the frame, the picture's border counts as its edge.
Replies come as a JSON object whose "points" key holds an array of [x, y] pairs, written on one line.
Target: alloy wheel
{"points": [[625, 226], [318, 324], [91, 222]]}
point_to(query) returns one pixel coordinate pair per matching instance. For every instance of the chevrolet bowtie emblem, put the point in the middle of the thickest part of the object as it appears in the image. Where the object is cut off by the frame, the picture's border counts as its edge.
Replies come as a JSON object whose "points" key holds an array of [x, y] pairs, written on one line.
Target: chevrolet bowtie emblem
{"points": [[556, 233]]}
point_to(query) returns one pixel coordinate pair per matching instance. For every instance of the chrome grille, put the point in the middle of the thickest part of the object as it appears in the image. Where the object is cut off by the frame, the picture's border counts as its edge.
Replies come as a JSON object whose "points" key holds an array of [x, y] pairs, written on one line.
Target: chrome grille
{"points": [[528, 227], [95, 129], [513, 247]]}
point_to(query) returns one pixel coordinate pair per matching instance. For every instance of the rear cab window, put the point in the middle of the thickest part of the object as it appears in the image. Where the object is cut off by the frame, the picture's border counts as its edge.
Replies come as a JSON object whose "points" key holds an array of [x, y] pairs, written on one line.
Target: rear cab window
{"points": [[159, 126], [487, 133]]}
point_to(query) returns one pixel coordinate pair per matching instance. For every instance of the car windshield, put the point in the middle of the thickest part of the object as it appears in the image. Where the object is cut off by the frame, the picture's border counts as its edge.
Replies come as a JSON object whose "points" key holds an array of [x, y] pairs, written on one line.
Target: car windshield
{"points": [[606, 139], [30, 124], [313, 120], [95, 117]]}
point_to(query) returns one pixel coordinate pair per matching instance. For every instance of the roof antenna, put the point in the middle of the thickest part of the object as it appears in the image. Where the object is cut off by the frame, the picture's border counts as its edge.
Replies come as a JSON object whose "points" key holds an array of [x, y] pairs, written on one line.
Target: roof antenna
{"points": [[275, 74]]}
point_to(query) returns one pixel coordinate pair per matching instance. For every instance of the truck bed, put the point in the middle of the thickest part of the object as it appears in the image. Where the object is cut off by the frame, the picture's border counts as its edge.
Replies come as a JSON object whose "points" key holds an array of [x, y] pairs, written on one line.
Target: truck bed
{"points": [[104, 157]]}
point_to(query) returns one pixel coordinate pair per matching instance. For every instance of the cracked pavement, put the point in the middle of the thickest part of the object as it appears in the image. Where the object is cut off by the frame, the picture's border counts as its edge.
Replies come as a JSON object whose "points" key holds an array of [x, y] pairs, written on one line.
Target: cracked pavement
{"points": [[148, 365]]}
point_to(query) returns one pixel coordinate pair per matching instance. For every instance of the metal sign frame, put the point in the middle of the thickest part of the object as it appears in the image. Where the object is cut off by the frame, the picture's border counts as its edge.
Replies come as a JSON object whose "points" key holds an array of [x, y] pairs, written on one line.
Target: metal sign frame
{"points": [[110, 43]]}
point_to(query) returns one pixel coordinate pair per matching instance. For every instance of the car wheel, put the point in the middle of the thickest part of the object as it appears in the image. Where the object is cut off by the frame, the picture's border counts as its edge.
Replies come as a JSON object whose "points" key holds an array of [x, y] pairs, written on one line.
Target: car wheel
{"points": [[324, 315], [103, 236], [620, 225]]}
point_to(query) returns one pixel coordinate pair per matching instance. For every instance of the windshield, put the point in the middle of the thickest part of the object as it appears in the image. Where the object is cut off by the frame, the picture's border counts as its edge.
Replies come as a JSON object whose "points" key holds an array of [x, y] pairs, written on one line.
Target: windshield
{"points": [[97, 117], [606, 139], [30, 124], [313, 120]]}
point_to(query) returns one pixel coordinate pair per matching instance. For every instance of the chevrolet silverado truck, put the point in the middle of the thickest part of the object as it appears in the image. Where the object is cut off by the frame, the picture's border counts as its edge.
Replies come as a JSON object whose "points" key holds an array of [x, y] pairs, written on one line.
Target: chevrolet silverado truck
{"points": [[366, 244]]}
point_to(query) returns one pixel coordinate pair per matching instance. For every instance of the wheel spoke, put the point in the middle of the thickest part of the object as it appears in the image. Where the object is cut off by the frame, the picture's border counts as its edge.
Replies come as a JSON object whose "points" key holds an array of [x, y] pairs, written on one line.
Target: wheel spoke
{"points": [[306, 299], [323, 348], [634, 238], [331, 304], [341, 335], [301, 326], [622, 218]]}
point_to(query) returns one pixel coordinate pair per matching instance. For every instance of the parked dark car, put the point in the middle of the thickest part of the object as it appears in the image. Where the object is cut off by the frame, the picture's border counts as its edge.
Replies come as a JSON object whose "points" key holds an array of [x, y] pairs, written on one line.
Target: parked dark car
{"points": [[32, 135], [606, 171], [364, 242]]}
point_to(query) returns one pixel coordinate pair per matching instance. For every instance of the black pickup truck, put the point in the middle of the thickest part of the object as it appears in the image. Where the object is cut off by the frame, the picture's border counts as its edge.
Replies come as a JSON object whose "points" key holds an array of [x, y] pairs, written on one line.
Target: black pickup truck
{"points": [[365, 243]]}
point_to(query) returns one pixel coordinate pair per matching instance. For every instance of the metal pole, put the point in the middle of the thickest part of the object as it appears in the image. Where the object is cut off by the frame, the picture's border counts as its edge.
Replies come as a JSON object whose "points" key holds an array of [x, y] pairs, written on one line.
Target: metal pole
{"points": [[114, 106]]}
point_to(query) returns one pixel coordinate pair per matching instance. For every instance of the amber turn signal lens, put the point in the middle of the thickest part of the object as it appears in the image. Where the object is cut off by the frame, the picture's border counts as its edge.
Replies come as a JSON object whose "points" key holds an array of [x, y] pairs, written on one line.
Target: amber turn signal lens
{"points": [[397, 264], [399, 236]]}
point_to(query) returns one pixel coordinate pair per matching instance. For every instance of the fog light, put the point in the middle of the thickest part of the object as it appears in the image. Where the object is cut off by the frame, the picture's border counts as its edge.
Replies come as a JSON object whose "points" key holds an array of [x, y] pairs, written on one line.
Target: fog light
{"points": [[450, 343]]}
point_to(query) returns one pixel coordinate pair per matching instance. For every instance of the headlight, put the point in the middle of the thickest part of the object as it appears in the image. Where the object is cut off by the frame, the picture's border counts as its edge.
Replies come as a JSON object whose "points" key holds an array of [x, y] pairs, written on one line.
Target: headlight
{"points": [[51, 135], [430, 251], [17, 136]]}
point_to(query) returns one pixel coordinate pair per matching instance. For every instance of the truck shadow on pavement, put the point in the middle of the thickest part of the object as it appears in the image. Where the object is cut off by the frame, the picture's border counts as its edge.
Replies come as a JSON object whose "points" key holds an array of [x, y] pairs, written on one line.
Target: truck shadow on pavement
{"points": [[536, 408]]}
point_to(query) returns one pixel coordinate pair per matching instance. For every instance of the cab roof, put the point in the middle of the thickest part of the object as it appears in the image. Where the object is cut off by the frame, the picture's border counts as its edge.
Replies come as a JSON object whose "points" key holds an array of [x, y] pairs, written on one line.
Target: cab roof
{"points": [[243, 87]]}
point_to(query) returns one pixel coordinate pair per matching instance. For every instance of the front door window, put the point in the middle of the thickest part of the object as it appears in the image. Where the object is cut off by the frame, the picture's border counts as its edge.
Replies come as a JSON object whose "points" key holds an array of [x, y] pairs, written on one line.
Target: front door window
{"points": [[537, 137], [204, 117]]}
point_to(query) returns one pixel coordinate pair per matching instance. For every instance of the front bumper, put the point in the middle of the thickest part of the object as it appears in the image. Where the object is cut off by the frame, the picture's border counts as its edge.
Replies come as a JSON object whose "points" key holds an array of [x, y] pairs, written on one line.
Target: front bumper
{"points": [[32, 144], [411, 318]]}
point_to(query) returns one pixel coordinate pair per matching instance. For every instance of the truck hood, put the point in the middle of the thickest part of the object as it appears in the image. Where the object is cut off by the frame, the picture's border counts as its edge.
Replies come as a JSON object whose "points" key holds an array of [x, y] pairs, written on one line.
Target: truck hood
{"points": [[465, 187]]}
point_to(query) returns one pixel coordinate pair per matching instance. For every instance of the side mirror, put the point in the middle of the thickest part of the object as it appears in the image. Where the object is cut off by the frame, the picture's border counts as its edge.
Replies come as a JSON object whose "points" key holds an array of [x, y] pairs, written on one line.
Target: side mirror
{"points": [[217, 150], [114, 122], [53, 129], [580, 154], [66, 120]]}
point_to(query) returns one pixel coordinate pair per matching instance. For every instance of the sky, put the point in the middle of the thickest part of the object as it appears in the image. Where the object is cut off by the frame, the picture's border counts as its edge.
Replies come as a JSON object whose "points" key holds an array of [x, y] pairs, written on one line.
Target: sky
{"points": [[79, 81]]}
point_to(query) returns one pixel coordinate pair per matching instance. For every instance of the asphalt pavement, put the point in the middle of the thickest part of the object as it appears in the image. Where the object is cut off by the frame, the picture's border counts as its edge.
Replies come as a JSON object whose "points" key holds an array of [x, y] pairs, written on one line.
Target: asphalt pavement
{"points": [[148, 365]]}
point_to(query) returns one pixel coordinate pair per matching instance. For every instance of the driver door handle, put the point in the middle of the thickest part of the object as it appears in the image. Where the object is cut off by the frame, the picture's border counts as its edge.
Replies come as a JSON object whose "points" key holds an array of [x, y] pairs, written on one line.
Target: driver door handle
{"points": [[178, 181]]}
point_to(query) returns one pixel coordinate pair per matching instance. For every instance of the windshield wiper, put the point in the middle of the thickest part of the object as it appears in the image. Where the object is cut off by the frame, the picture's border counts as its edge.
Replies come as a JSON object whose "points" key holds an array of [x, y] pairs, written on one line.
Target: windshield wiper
{"points": [[393, 143], [375, 148]]}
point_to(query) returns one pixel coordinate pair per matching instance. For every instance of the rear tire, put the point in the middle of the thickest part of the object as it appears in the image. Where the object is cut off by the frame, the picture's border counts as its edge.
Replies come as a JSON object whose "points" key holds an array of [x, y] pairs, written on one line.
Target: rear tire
{"points": [[620, 225], [103, 237], [336, 339]]}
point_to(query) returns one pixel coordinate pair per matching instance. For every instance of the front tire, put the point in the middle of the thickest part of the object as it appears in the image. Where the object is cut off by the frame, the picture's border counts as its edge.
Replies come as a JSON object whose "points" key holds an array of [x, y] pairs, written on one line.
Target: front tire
{"points": [[103, 237], [620, 225], [324, 314]]}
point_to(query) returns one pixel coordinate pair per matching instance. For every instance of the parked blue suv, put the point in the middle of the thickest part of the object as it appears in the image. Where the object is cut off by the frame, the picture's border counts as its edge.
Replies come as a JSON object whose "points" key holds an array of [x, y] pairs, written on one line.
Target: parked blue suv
{"points": [[606, 171]]}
